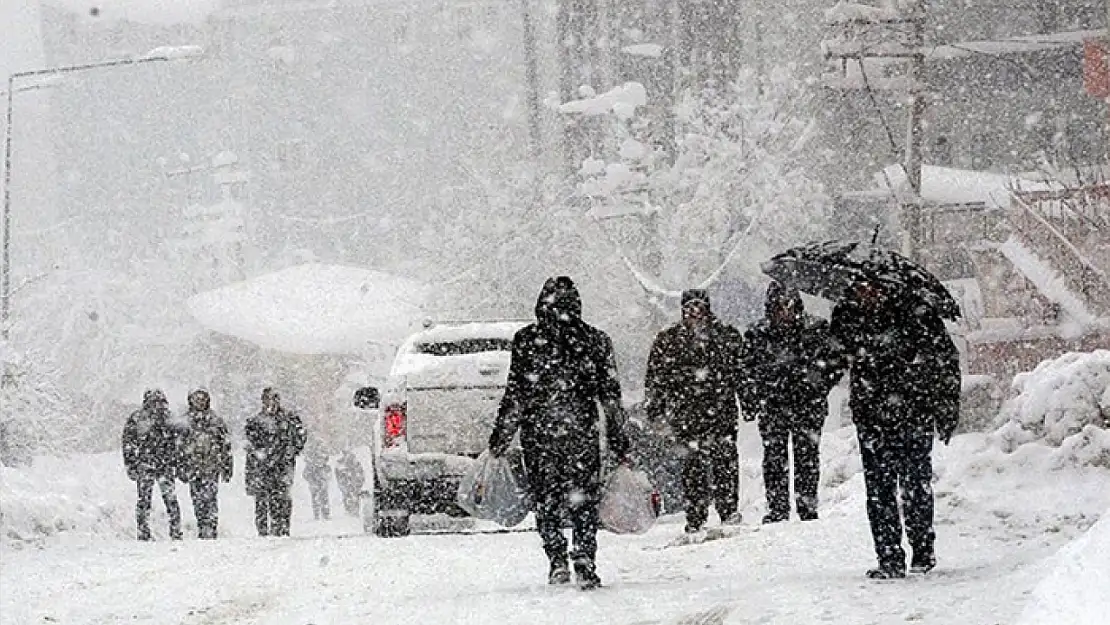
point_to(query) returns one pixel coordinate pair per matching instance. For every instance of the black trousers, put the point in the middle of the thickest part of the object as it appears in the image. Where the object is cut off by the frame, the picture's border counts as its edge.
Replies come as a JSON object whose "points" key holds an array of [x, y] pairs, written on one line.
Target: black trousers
{"points": [[710, 472], [273, 510], [805, 438], [206, 506], [145, 489], [896, 459], [560, 501], [320, 505]]}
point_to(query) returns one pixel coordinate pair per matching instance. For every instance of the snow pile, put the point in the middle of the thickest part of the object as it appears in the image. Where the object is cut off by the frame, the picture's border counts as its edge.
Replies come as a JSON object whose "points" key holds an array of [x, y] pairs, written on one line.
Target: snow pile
{"points": [[314, 309], [55, 496], [1064, 403], [1076, 592]]}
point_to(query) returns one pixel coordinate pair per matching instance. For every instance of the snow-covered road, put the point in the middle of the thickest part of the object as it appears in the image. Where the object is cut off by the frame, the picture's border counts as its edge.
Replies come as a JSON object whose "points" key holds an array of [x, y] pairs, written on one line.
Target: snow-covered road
{"points": [[997, 532]]}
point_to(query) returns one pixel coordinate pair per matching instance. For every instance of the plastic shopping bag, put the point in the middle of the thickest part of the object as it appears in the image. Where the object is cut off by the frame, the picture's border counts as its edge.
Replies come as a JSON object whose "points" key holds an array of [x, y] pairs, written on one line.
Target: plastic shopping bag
{"points": [[630, 504], [494, 491]]}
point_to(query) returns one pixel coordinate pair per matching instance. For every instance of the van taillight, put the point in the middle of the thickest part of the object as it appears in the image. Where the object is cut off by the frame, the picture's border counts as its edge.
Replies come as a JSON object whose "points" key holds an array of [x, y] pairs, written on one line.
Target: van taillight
{"points": [[394, 424]]}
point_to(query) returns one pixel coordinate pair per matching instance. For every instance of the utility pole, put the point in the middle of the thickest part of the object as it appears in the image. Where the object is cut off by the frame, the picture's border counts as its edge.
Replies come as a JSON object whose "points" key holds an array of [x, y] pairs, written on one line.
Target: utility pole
{"points": [[532, 77], [884, 33], [912, 208]]}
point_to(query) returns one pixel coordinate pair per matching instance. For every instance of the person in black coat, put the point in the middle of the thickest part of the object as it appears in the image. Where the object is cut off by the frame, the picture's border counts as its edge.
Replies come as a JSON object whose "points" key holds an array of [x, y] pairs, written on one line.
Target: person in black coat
{"points": [[905, 385], [790, 369], [351, 478], [561, 369], [274, 439], [317, 472], [692, 381], [151, 455], [205, 460]]}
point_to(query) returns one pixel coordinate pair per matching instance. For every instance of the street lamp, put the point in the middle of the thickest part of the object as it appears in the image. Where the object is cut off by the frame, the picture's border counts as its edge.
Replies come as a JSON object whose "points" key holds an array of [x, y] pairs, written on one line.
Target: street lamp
{"points": [[163, 53]]}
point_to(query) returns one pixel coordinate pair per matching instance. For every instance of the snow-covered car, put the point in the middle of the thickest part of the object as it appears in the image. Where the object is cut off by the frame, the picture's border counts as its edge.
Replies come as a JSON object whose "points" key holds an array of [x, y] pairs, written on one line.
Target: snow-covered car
{"points": [[438, 409]]}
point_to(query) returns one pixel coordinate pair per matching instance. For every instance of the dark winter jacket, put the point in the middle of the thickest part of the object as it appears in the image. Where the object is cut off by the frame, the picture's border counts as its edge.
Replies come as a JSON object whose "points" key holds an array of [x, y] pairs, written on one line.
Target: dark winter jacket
{"points": [[905, 370], [561, 368], [693, 377], [151, 444], [788, 364], [206, 448], [273, 442], [349, 474], [316, 467]]}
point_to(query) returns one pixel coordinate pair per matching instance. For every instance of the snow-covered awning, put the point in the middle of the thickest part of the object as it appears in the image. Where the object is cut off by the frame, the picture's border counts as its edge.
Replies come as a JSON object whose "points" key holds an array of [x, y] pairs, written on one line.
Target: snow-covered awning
{"points": [[1016, 45], [946, 185], [315, 309]]}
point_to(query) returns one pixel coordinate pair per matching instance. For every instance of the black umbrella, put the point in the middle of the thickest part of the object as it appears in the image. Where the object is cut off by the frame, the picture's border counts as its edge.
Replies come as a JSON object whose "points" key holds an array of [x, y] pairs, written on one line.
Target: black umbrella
{"points": [[907, 277], [831, 269], [822, 269]]}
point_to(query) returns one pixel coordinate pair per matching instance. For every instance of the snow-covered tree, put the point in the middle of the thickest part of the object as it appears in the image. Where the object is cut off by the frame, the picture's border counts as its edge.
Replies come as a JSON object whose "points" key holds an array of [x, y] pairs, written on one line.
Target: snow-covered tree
{"points": [[736, 191], [32, 409]]}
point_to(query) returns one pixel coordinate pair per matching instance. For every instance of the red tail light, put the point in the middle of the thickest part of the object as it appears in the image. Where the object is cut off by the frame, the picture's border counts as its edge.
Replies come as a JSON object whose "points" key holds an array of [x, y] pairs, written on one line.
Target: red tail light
{"points": [[394, 421]]}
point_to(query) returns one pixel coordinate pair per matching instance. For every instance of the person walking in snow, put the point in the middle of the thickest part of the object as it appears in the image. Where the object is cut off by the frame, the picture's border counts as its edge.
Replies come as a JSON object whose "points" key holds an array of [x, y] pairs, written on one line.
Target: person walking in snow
{"points": [[274, 439], [317, 472], [206, 460], [905, 384], [692, 382], [351, 478], [150, 454], [789, 370], [560, 370]]}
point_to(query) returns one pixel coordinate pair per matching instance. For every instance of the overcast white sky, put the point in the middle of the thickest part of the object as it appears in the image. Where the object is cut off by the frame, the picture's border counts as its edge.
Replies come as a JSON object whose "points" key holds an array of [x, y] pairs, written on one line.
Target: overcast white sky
{"points": [[21, 49], [157, 11]]}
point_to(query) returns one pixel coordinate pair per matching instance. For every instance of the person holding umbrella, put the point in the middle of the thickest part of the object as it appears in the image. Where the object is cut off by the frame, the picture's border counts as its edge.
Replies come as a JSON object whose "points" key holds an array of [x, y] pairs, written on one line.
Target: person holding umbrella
{"points": [[887, 329]]}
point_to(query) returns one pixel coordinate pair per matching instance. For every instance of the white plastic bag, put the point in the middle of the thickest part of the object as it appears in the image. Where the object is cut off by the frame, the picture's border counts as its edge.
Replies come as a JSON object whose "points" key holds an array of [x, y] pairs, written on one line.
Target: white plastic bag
{"points": [[630, 504], [492, 491]]}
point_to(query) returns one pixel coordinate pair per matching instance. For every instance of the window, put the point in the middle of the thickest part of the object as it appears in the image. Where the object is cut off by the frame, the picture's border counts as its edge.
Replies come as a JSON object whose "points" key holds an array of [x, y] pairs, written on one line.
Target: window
{"points": [[463, 347]]}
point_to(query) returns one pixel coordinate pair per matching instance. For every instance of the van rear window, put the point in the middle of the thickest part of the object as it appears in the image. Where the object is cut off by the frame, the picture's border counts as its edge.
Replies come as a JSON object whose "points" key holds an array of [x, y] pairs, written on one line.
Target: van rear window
{"points": [[462, 347]]}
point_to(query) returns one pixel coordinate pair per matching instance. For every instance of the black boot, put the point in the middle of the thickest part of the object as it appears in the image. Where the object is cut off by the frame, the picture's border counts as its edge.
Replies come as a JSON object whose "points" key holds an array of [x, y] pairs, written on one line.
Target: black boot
{"points": [[775, 517], [887, 571], [923, 563], [559, 573], [586, 573]]}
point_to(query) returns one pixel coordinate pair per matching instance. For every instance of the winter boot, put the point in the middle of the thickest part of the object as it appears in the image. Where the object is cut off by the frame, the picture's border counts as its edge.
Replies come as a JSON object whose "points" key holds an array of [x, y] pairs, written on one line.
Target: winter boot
{"points": [[887, 572], [559, 573], [922, 564], [733, 519], [586, 573], [775, 517]]}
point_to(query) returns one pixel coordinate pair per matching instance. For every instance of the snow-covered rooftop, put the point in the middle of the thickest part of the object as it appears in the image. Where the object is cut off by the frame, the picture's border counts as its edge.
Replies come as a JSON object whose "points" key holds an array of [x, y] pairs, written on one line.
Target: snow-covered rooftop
{"points": [[945, 185], [314, 309], [1015, 45]]}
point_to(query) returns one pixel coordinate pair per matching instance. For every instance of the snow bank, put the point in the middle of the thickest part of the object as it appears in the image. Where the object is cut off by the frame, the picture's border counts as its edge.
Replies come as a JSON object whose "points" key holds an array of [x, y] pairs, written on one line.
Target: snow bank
{"points": [[1077, 591], [1058, 401], [314, 309], [56, 495]]}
